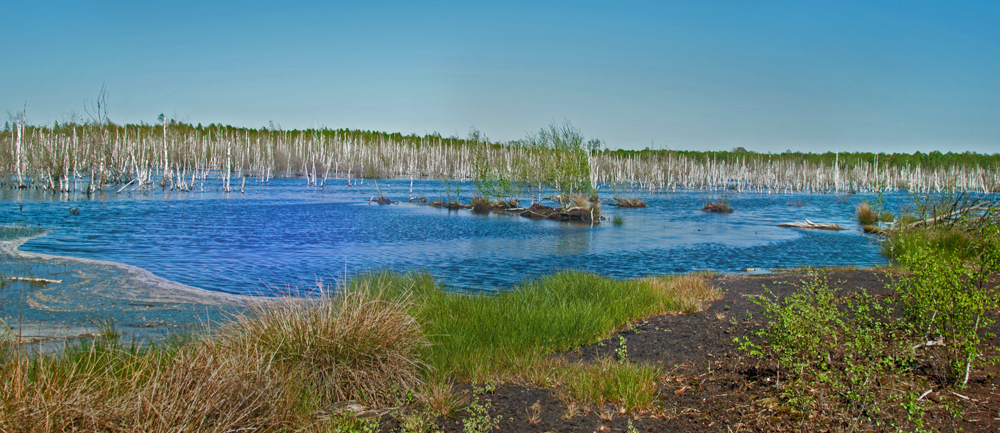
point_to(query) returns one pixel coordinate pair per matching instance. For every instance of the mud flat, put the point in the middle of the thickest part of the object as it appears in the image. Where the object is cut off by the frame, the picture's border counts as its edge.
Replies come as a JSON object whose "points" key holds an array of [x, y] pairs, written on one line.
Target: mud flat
{"points": [[88, 292]]}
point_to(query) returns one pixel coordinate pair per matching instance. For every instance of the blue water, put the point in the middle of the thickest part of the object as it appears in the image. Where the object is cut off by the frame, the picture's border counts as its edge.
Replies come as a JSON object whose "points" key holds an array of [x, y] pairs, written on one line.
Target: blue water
{"points": [[283, 237]]}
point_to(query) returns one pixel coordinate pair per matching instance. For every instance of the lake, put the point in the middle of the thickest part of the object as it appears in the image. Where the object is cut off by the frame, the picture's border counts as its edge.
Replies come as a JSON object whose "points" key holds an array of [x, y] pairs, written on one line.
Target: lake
{"points": [[284, 237]]}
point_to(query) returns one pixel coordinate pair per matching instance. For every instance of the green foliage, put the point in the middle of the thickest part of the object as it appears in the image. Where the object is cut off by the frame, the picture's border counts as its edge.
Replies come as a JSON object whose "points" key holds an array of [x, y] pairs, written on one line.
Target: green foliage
{"points": [[492, 182], [823, 339], [949, 302], [621, 352], [478, 419], [567, 166], [478, 336], [617, 220], [452, 191], [856, 349], [805, 327]]}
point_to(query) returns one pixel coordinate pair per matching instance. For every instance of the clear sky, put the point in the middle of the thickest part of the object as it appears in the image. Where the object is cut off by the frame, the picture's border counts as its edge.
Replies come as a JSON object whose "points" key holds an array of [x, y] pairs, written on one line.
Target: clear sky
{"points": [[814, 76]]}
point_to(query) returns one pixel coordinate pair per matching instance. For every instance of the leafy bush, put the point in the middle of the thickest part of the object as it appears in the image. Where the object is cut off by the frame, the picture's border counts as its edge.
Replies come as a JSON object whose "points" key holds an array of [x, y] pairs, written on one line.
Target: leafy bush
{"points": [[949, 301], [824, 340]]}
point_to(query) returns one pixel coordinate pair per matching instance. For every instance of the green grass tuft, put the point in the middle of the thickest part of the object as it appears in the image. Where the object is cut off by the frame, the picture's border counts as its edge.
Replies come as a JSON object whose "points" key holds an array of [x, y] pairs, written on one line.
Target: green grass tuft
{"points": [[479, 336], [631, 387]]}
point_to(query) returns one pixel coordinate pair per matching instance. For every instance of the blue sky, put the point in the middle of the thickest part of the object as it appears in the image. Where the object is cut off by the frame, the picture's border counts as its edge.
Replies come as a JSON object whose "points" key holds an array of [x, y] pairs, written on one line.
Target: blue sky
{"points": [[811, 76]]}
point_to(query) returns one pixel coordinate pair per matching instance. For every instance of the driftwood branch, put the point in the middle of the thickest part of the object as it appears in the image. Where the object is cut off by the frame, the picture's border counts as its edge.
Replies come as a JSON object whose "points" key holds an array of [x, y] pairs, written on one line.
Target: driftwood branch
{"points": [[935, 220], [35, 280], [811, 225]]}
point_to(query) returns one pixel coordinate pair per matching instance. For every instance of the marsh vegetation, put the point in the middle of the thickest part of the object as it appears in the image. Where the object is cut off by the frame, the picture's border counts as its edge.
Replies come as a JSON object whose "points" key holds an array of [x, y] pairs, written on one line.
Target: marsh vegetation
{"points": [[382, 340]]}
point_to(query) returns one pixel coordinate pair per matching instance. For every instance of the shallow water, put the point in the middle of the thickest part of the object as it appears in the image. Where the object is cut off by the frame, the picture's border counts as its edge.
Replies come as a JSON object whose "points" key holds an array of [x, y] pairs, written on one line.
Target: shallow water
{"points": [[283, 237]]}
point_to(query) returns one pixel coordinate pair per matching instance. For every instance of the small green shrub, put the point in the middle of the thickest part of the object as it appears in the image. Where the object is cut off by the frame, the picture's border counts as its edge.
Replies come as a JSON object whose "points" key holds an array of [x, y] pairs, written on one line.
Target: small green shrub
{"points": [[824, 340], [949, 301], [478, 419]]}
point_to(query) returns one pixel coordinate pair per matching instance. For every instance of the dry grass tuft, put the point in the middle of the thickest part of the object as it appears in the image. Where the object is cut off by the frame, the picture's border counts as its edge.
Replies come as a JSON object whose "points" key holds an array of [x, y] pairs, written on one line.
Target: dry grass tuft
{"points": [[866, 215], [108, 388], [353, 346], [440, 397], [691, 291], [271, 369], [534, 413]]}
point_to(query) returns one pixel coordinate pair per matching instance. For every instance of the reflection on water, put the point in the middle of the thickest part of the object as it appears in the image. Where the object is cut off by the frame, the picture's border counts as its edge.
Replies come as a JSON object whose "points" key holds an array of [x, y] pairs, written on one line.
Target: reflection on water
{"points": [[573, 239], [283, 236]]}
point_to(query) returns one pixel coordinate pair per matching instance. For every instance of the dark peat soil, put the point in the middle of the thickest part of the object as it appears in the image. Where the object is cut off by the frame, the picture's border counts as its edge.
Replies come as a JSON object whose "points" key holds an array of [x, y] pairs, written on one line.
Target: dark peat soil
{"points": [[709, 386]]}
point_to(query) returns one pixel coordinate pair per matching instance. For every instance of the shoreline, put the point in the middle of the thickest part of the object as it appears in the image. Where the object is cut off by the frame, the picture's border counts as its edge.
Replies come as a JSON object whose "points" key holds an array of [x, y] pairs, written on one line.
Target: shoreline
{"points": [[140, 304], [91, 294]]}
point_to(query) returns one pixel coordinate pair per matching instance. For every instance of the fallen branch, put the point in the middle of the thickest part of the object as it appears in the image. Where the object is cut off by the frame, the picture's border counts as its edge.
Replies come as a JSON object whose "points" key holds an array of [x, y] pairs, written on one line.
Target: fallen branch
{"points": [[811, 225], [35, 280], [934, 220], [126, 186], [925, 394]]}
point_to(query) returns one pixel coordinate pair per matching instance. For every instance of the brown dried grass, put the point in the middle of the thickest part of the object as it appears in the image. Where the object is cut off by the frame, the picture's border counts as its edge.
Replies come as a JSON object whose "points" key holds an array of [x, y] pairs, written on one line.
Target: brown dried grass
{"points": [[866, 215], [116, 389], [354, 346], [691, 291], [272, 369], [439, 396]]}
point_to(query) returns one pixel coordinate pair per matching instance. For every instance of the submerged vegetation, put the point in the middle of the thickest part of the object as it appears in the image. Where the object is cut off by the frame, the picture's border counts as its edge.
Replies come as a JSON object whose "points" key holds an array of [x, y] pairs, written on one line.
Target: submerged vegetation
{"points": [[99, 155], [380, 340], [8, 232]]}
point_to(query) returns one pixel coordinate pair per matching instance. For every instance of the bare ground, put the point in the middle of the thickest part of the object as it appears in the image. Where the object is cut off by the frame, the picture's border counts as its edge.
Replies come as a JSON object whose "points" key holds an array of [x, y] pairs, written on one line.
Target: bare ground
{"points": [[710, 386]]}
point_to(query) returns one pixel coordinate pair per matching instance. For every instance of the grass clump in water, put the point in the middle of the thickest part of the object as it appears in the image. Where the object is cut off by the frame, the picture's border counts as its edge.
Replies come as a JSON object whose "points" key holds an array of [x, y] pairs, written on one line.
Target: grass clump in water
{"points": [[866, 215]]}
